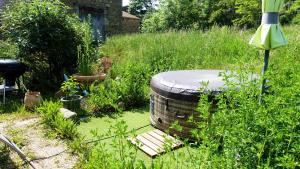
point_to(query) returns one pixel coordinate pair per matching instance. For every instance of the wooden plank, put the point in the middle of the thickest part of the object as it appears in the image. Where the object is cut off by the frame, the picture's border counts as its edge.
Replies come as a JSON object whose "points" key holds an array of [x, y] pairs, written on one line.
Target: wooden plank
{"points": [[143, 147], [157, 136], [153, 140], [153, 146], [162, 138], [175, 141]]}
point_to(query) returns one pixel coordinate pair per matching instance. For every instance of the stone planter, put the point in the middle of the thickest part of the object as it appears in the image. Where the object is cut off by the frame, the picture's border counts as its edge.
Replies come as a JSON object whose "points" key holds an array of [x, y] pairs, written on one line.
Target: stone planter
{"points": [[72, 102], [32, 99], [89, 79]]}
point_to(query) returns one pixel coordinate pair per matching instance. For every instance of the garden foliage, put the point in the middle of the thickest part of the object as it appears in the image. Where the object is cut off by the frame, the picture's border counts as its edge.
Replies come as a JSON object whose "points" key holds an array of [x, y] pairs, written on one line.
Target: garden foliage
{"points": [[52, 118], [86, 54], [125, 87], [202, 14], [241, 133], [8, 50], [136, 62], [47, 37], [244, 134], [141, 7]]}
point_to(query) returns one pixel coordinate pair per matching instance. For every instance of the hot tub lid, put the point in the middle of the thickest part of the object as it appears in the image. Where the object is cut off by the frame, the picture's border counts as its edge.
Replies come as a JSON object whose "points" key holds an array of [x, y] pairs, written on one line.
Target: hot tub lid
{"points": [[185, 84]]}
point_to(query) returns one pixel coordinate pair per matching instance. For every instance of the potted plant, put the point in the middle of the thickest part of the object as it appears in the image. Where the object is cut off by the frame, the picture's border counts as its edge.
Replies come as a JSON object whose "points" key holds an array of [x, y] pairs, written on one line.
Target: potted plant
{"points": [[71, 100], [86, 67]]}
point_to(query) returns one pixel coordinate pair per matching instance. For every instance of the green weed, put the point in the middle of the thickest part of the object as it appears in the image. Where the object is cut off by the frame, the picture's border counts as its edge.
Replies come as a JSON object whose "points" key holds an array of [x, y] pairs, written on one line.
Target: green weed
{"points": [[52, 118]]}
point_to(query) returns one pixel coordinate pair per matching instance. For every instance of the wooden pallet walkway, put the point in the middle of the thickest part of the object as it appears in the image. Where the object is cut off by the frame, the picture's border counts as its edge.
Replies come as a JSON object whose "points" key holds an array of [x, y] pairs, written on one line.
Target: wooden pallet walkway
{"points": [[155, 142]]}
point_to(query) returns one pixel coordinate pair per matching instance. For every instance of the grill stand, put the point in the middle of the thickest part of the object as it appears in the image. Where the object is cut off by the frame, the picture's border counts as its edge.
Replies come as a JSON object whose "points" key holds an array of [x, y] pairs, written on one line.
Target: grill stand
{"points": [[4, 91]]}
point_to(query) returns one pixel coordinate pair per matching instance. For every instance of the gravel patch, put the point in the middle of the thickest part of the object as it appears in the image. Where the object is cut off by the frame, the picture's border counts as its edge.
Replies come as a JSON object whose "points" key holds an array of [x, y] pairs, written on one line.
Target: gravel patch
{"points": [[45, 152]]}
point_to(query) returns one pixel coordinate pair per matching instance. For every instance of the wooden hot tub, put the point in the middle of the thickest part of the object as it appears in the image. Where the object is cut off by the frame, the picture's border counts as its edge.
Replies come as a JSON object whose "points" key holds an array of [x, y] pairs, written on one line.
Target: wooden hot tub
{"points": [[175, 96]]}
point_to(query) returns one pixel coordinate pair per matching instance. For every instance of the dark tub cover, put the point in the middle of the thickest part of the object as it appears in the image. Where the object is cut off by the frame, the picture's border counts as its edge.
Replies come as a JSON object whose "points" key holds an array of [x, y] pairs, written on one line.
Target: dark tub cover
{"points": [[185, 84]]}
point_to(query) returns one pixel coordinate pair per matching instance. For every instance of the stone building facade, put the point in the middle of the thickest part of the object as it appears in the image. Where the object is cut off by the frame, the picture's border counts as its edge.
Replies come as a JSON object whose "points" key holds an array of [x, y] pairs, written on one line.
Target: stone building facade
{"points": [[130, 23], [106, 15]]}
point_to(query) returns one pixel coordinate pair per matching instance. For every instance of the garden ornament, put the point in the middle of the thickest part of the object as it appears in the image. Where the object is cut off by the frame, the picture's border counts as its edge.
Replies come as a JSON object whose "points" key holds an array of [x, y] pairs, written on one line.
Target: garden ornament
{"points": [[269, 35]]}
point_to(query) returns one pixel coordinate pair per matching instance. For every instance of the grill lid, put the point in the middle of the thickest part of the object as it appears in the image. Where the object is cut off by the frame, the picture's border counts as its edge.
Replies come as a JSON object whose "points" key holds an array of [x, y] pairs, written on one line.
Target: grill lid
{"points": [[185, 84]]}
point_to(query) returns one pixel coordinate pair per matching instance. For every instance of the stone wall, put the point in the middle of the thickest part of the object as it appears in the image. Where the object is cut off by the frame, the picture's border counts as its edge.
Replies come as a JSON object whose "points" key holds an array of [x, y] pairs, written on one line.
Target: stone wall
{"points": [[130, 23], [112, 11]]}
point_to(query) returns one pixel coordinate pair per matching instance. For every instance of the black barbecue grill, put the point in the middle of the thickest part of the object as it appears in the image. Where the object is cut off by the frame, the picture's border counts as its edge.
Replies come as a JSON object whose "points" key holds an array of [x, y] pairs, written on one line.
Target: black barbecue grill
{"points": [[10, 70]]}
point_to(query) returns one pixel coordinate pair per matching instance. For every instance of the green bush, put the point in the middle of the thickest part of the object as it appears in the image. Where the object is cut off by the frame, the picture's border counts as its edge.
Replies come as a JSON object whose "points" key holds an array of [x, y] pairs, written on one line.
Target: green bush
{"points": [[104, 98], [296, 20], [244, 134], [8, 50], [125, 87], [47, 37], [248, 13], [201, 15]]}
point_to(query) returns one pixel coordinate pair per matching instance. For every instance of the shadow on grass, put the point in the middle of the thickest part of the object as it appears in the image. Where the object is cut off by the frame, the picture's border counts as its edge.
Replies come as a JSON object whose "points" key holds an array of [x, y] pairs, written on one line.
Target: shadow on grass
{"points": [[115, 115], [13, 103]]}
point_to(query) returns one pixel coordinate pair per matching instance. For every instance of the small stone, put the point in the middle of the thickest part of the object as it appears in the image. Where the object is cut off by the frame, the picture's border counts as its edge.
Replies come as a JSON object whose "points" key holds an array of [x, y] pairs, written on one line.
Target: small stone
{"points": [[68, 114]]}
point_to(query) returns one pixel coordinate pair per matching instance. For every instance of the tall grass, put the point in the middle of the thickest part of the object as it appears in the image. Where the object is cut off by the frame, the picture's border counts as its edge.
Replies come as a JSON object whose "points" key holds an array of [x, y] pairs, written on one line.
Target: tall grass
{"points": [[218, 48]]}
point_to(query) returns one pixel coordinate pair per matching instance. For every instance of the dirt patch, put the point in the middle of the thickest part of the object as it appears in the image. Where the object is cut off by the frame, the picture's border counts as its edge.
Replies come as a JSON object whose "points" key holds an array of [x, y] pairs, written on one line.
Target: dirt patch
{"points": [[45, 152], [2, 127]]}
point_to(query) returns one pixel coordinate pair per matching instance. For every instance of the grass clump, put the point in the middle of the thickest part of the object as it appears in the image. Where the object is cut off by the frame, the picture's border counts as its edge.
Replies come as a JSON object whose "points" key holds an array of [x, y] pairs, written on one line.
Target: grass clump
{"points": [[52, 118]]}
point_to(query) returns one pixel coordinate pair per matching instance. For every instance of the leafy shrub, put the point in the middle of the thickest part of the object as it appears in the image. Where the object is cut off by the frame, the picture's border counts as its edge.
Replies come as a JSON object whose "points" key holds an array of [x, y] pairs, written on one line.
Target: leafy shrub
{"points": [[134, 82], [248, 12], [244, 134], [8, 49], [125, 88], [173, 14], [201, 15], [48, 35], [153, 22], [104, 97], [54, 119]]}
